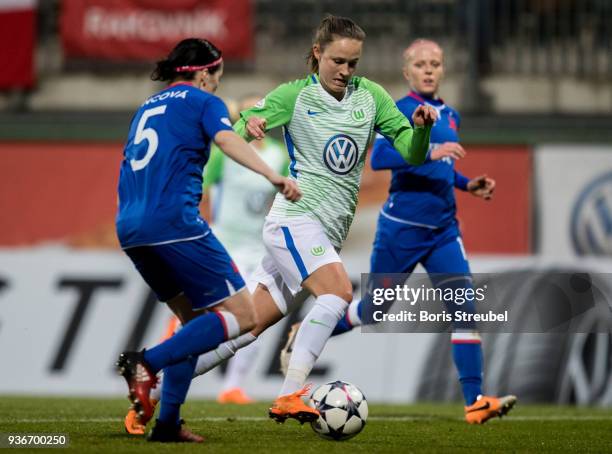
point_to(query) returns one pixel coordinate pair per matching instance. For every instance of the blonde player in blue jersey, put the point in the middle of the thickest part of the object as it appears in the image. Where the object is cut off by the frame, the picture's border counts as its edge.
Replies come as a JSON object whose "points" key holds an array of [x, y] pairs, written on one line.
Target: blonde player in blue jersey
{"points": [[160, 228]]}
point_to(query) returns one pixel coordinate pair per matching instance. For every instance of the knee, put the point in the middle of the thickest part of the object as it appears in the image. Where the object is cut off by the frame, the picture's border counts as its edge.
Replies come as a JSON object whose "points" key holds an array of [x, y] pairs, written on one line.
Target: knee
{"points": [[346, 292]]}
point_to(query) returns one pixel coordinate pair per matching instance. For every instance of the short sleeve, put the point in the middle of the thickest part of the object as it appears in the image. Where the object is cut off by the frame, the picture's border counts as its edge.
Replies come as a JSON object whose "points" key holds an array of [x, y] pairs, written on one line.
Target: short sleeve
{"points": [[276, 108], [215, 117]]}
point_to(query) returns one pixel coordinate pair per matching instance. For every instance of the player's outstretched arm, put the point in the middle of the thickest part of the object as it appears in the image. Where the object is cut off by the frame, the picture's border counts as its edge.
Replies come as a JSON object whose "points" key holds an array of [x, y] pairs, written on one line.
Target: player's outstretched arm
{"points": [[236, 148], [385, 156], [411, 143], [275, 110]]}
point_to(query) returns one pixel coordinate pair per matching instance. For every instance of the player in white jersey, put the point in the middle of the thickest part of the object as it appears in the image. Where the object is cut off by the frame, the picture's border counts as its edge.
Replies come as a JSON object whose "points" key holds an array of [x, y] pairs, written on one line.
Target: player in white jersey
{"points": [[329, 119]]}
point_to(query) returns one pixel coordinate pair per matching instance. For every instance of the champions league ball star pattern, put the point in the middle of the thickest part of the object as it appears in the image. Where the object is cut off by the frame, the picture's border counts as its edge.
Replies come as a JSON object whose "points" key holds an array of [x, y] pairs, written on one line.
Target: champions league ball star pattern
{"points": [[343, 410]]}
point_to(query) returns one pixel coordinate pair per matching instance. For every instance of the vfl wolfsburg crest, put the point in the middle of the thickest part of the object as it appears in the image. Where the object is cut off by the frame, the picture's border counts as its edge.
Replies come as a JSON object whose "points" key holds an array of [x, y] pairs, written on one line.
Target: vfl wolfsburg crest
{"points": [[358, 114], [317, 251], [340, 154]]}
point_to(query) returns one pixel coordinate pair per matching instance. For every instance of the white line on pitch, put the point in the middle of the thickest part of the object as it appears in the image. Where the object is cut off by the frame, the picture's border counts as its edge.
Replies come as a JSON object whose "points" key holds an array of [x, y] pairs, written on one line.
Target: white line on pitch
{"points": [[261, 418]]}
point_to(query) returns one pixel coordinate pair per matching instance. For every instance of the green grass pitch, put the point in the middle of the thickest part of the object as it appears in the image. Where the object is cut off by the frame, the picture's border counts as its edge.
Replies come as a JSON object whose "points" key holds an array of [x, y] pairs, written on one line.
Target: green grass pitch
{"points": [[95, 425]]}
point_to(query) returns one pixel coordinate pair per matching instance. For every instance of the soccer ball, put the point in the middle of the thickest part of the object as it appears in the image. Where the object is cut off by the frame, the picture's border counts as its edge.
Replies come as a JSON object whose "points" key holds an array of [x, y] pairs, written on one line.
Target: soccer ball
{"points": [[343, 410]]}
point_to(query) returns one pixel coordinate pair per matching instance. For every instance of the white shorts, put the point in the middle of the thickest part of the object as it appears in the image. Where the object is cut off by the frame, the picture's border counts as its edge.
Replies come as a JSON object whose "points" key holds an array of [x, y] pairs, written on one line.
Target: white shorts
{"points": [[295, 248]]}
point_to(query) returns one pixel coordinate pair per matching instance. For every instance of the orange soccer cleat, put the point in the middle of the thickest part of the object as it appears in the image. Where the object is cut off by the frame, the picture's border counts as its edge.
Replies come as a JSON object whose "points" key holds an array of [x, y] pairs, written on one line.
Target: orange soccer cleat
{"points": [[487, 407], [292, 406], [234, 396], [132, 426]]}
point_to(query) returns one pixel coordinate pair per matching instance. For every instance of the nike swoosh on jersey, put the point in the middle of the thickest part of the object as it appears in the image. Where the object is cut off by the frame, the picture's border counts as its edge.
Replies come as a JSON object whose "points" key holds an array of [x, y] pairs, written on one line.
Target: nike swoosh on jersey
{"points": [[312, 112]]}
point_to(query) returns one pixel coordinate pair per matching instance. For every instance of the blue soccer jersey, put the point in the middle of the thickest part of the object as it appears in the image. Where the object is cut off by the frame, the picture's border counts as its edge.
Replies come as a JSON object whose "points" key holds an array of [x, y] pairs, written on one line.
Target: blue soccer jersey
{"points": [[422, 195], [160, 184]]}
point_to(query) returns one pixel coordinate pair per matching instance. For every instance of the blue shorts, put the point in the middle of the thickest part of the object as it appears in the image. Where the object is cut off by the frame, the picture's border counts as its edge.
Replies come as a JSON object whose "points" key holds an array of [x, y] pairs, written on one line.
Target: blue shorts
{"points": [[201, 269], [400, 247]]}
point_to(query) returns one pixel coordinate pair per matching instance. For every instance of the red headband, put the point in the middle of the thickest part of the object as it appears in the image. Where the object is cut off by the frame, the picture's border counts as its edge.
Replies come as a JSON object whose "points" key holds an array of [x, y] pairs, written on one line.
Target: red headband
{"points": [[181, 69]]}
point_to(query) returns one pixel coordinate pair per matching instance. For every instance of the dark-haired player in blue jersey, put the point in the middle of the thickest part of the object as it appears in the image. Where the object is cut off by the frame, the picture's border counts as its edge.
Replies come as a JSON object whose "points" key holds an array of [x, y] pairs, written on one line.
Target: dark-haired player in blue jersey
{"points": [[160, 228], [417, 224]]}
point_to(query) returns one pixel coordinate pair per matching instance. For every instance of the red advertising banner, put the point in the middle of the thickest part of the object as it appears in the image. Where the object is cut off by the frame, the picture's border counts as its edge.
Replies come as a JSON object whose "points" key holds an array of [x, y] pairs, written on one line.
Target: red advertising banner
{"points": [[17, 36], [58, 192], [66, 192], [504, 224], [144, 30]]}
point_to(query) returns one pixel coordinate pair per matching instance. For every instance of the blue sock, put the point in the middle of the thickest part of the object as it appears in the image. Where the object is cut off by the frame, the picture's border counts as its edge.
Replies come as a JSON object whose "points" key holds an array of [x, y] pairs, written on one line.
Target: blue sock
{"points": [[468, 360], [175, 385], [342, 326], [200, 335]]}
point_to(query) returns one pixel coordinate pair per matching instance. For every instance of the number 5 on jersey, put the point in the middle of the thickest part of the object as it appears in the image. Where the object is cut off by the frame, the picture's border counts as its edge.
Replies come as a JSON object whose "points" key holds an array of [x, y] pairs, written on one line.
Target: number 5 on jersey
{"points": [[147, 134]]}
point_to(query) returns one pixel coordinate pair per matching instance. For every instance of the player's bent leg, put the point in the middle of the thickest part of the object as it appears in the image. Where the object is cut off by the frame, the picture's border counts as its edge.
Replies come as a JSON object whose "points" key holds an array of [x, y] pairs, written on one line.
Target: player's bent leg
{"points": [[234, 314], [241, 307], [293, 303], [449, 268], [201, 332], [333, 291], [351, 320], [141, 376], [191, 277], [266, 314]]}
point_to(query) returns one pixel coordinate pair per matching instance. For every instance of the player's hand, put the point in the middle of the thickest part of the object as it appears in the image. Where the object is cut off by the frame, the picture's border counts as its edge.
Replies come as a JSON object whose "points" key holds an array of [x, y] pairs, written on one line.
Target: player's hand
{"points": [[482, 186], [448, 149], [424, 116], [256, 127], [287, 187]]}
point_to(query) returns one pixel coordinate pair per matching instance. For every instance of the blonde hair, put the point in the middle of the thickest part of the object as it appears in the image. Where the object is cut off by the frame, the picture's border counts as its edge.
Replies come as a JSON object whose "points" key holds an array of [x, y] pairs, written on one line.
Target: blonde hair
{"points": [[418, 43]]}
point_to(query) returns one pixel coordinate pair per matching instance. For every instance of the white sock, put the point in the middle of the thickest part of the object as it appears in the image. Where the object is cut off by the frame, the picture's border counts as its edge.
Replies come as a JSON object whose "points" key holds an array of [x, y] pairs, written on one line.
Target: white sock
{"points": [[239, 366], [211, 359], [155, 393], [352, 313], [311, 339], [226, 350]]}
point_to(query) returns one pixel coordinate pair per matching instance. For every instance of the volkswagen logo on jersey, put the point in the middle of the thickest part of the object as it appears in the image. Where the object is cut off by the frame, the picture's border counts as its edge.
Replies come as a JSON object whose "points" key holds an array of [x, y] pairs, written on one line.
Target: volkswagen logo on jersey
{"points": [[340, 154], [591, 226]]}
